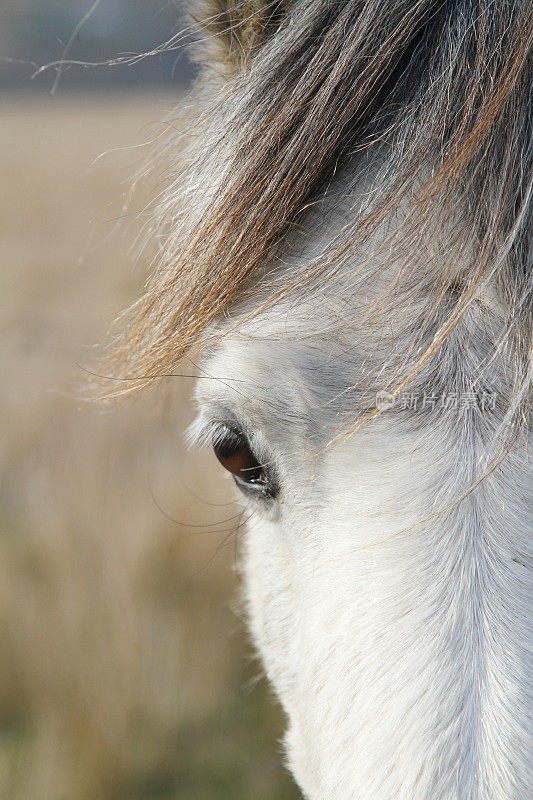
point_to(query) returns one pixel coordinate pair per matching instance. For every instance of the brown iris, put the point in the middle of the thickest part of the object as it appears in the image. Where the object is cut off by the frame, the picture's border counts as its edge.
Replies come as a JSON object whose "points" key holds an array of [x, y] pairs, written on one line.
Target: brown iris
{"points": [[233, 451]]}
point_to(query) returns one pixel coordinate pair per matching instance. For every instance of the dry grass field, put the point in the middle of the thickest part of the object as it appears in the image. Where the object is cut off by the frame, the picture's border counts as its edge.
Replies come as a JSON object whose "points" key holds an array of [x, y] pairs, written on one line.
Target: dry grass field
{"points": [[124, 670]]}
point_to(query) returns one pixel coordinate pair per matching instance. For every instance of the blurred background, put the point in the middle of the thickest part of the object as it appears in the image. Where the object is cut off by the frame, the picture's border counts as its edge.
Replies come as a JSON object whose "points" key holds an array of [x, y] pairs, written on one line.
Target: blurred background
{"points": [[125, 673]]}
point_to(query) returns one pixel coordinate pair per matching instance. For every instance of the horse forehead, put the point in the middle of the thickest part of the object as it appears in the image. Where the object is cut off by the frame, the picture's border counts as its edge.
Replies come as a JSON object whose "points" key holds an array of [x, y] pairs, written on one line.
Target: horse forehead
{"points": [[276, 377]]}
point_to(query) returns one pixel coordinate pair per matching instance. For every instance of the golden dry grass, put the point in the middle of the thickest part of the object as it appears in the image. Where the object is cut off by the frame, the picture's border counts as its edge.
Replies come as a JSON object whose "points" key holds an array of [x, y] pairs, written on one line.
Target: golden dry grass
{"points": [[124, 673]]}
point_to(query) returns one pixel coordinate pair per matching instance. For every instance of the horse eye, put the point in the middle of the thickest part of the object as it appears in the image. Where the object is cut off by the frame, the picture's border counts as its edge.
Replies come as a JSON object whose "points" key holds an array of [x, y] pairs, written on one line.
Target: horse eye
{"points": [[233, 451]]}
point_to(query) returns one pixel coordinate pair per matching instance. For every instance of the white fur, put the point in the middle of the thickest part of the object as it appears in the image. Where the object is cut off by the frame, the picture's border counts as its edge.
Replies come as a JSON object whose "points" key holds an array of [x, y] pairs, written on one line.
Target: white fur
{"points": [[393, 617]]}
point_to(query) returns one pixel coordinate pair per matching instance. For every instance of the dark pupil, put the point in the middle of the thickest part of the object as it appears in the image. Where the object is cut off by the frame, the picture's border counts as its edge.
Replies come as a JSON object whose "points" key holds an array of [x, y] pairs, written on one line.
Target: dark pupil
{"points": [[233, 452]]}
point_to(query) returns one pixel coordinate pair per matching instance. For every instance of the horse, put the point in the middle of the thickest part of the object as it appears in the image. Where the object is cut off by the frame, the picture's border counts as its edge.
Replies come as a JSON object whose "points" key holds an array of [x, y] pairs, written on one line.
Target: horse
{"points": [[345, 255]]}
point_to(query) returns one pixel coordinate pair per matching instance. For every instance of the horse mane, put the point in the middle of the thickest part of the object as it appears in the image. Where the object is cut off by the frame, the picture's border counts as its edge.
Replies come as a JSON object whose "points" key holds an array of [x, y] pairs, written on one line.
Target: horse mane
{"points": [[233, 30], [440, 89]]}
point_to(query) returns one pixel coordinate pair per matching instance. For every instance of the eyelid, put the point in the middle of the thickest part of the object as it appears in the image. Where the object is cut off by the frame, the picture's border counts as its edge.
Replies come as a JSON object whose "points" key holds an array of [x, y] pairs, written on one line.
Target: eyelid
{"points": [[211, 419], [201, 432]]}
